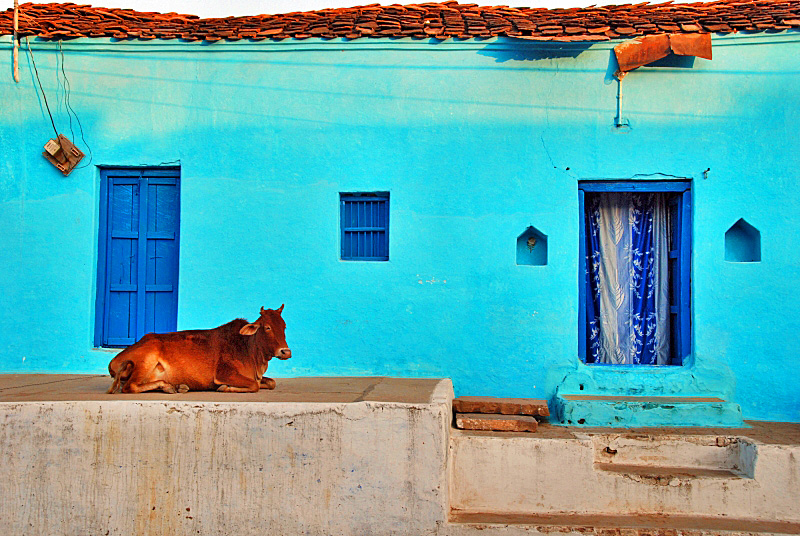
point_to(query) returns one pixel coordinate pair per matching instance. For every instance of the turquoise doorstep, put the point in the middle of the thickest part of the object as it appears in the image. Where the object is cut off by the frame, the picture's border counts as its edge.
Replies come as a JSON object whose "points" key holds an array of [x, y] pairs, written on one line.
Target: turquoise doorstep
{"points": [[646, 411]]}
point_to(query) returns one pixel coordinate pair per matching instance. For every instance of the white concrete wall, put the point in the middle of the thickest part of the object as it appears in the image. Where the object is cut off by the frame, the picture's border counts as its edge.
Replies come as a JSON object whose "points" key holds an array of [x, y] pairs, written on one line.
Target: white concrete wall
{"points": [[532, 475], [114, 467], [156, 467]]}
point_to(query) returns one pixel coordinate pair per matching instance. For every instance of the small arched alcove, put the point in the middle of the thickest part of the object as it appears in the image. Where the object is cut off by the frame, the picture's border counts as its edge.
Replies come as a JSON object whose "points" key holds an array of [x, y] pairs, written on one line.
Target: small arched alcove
{"points": [[742, 243], [532, 247]]}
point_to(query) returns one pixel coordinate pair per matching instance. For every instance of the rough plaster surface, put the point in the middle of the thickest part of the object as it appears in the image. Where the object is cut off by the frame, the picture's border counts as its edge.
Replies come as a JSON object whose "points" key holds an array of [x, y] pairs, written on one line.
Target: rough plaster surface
{"points": [[216, 468], [661, 474]]}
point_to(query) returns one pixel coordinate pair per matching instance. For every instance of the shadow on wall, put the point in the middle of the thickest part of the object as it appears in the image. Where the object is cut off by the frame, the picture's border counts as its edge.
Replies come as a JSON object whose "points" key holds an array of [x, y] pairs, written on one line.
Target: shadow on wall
{"points": [[521, 50]]}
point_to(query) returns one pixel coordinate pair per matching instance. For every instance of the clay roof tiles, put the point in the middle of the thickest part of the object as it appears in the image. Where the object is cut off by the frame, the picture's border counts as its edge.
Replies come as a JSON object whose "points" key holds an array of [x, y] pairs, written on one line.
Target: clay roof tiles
{"points": [[427, 20]]}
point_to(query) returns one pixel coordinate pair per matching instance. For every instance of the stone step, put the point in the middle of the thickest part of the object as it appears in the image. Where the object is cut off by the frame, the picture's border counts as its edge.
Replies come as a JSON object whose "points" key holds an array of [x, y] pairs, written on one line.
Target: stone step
{"points": [[646, 411], [667, 475], [496, 423], [503, 406], [719, 472], [463, 524], [658, 456]]}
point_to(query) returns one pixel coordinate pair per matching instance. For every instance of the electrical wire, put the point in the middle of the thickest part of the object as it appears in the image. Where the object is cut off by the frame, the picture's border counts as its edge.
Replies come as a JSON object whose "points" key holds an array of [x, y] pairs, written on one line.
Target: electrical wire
{"points": [[61, 89], [35, 70], [70, 110]]}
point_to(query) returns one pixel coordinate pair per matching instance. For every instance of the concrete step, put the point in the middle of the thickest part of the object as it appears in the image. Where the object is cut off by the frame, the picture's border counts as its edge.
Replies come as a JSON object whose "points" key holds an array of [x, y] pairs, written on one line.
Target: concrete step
{"points": [[666, 474], [681, 457], [462, 524], [646, 411], [615, 472]]}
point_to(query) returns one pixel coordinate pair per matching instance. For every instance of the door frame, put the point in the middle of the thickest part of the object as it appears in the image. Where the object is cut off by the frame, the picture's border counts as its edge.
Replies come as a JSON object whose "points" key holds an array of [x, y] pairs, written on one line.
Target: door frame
{"points": [[138, 172], [683, 297]]}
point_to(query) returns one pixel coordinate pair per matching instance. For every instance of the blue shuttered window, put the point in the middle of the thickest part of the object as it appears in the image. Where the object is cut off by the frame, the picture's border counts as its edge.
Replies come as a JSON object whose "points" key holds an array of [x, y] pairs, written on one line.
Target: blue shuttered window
{"points": [[364, 221], [138, 254]]}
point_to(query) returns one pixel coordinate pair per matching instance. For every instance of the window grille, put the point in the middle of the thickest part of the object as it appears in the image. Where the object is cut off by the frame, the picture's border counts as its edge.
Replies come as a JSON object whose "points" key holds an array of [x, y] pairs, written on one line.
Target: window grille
{"points": [[365, 226]]}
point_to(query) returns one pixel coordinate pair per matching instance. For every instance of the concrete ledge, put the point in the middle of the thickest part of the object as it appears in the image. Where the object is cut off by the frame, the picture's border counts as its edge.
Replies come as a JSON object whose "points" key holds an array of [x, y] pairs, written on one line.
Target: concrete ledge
{"points": [[80, 387], [335, 456]]}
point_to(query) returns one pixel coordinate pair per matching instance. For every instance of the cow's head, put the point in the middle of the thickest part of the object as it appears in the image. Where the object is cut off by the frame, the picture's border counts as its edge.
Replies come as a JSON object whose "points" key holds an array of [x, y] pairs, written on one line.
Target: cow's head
{"points": [[272, 326]]}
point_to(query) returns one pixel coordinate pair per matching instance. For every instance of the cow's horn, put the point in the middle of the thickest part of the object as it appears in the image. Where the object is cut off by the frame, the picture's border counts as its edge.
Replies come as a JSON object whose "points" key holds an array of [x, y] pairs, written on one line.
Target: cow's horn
{"points": [[262, 310], [281, 307]]}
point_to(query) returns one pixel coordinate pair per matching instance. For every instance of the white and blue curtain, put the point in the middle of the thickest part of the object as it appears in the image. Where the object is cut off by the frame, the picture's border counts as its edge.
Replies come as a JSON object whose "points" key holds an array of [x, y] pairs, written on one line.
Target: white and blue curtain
{"points": [[627, 255]]}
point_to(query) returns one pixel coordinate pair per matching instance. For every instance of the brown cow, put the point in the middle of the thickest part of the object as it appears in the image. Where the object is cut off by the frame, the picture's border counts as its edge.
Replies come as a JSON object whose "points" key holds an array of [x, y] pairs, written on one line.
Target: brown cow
{"points": [[232, 358]]}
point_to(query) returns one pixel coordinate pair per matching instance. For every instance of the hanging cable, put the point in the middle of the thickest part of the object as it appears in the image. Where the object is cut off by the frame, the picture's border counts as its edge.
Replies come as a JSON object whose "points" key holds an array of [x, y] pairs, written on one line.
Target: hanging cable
{"points": [[61, 90], [35, 70], [70, 110]]}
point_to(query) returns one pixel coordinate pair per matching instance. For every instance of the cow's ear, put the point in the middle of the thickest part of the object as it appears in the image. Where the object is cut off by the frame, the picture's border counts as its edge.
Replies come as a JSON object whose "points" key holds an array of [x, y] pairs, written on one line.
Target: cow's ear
{"points": [[279, 309], [249, 329]]}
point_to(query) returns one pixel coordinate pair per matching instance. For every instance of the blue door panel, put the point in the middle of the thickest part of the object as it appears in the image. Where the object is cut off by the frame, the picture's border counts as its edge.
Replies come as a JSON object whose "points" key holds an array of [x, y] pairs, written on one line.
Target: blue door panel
{"points": [[122, 269], [162, 255], [138, 260], [673, 265]]}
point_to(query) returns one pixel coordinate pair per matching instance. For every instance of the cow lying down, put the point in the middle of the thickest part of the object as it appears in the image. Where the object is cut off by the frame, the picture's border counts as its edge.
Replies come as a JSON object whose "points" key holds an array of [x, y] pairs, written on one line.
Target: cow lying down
{"points": [[231, 358]]}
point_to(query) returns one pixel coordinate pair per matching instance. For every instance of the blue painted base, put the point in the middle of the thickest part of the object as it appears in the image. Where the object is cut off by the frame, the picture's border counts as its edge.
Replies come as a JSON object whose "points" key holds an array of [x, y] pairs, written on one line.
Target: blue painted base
{"points": [[655, 411]]}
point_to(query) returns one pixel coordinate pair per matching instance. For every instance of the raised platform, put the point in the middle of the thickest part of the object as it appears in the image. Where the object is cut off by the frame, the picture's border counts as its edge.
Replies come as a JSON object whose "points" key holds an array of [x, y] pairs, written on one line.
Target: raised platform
{"points": [[333, 456], [74, 387], [363, 456]]}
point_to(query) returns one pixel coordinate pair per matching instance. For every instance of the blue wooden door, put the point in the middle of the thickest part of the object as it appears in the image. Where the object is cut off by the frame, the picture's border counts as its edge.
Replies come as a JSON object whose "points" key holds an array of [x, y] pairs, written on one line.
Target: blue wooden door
{"points": [[679, 266], [679, 260], [138, 254]]}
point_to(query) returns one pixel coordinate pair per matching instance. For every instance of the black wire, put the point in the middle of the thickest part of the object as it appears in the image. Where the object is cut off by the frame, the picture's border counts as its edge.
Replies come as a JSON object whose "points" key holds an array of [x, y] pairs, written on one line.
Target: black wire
{"points": [[64, 85], [67, 88], [59, 89], [40, 87]]}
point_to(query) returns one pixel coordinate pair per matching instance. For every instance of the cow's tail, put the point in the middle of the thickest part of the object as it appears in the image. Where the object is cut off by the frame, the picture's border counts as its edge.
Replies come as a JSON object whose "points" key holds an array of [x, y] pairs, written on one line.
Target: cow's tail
{"points": [[120, 375]]}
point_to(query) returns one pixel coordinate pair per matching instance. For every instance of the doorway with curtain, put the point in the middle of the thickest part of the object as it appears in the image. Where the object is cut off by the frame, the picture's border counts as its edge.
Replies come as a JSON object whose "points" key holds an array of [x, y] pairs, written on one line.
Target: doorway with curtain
{"points": [[635, 304]]}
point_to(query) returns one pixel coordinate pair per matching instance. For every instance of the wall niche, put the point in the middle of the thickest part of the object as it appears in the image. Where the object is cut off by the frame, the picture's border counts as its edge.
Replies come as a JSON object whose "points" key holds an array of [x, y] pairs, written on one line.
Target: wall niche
{"points": [[742, 243], [532, 248]]}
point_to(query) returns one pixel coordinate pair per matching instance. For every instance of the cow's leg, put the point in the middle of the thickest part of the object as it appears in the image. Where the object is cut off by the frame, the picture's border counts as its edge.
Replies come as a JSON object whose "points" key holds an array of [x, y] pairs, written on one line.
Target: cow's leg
{"points": [[233, 382], [253, 388], [133, 387], [183, 388], [120, 375], [267, 383], [147, 374]]}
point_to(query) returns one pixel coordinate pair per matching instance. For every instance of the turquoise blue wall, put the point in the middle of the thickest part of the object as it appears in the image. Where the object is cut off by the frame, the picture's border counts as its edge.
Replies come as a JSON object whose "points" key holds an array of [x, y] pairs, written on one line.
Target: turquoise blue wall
{"points": [[474, 140]]}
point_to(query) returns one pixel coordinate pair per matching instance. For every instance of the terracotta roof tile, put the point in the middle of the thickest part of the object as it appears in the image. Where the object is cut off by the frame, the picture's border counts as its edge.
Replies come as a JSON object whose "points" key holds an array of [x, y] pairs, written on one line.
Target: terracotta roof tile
{"points": [[427, 20]]}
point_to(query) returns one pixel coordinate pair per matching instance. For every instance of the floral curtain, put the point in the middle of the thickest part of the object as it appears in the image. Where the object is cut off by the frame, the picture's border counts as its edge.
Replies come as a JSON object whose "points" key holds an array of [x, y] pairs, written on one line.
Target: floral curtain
{"points": [[627, 254]]}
